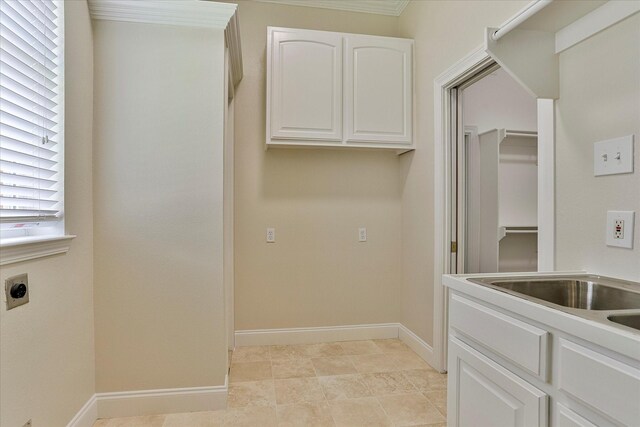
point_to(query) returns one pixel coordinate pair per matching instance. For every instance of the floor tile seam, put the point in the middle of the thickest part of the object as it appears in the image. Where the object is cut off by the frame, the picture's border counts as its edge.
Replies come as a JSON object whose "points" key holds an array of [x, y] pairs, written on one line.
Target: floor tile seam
{"points": [[434, 405], [406, 377], [384, 410]]}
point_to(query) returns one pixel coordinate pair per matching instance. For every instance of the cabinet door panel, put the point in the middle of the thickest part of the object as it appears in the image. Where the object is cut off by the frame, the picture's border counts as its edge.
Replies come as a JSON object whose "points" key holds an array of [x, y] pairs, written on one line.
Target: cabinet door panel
{"points": [[484, 394], [378, 89], [565, 417], [607, 385], [305, 85]]}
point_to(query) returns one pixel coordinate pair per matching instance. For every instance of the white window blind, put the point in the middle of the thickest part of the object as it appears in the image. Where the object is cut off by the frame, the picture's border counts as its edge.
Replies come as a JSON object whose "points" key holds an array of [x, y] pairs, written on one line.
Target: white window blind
{"points": [[30, 117]]}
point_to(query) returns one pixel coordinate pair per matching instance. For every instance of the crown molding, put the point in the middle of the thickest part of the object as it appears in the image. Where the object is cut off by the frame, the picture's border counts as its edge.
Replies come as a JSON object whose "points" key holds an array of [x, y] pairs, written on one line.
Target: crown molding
{"points": [[232, 37], [190, 13], [387, 7]]}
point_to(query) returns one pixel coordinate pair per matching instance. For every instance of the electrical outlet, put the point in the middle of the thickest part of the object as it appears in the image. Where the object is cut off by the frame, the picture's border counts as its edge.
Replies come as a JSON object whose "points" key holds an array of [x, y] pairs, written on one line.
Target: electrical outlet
{"points": [[620, 229], [271, 235], [17, 290], [362, 234]]}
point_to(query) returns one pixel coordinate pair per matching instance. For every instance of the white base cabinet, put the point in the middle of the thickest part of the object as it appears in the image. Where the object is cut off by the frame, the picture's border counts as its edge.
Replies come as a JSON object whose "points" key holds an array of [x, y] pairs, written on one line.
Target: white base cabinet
{"points": [[327, 89], [487, 395], [510, 369]]}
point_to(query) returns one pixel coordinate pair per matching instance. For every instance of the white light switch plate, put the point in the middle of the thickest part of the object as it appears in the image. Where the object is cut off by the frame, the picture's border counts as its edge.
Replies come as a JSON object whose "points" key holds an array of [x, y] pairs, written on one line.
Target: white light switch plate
{"points": [[620, 228], [613, 156]]}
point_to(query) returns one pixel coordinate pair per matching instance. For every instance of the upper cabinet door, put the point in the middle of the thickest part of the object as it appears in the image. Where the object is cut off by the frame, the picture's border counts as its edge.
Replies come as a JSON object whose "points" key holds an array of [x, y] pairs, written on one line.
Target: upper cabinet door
{"points": [[378, 89], [304, 87]]}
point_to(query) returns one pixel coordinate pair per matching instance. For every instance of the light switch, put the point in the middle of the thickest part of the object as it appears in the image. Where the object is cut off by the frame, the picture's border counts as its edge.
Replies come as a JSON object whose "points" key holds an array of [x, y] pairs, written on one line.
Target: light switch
{"points": [[613, 156]]}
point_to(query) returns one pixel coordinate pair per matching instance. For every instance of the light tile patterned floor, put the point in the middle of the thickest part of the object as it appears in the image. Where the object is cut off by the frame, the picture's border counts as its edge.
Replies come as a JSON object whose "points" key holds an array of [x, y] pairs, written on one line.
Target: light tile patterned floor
{"points": [[355, 383]]}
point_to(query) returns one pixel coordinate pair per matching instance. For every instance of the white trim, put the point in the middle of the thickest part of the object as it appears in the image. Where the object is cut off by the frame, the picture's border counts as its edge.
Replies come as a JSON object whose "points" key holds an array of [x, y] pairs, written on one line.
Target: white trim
{"points": [[232, 38], [417, 344], [27, 248], [592, 23], [190, 13], [457, 73], [87, 415], [162, 401], [546, 185], [316, 335], [388, 7], [337, 333]]}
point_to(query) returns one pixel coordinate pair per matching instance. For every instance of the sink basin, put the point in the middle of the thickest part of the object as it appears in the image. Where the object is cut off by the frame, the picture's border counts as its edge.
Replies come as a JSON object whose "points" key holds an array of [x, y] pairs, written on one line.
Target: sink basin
{"points": [[630, 320], [585, 293]]}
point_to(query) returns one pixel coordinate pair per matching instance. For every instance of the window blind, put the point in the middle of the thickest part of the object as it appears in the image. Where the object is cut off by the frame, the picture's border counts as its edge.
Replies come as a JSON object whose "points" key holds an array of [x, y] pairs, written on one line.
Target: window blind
{"points": [[30, 98]]}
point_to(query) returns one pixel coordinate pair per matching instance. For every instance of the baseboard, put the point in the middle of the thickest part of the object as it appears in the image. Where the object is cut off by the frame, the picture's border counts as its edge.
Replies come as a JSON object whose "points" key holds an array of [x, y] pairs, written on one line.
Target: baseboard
{"points": [[87, 415], [316, 335], [173, 400], [416, 344]]}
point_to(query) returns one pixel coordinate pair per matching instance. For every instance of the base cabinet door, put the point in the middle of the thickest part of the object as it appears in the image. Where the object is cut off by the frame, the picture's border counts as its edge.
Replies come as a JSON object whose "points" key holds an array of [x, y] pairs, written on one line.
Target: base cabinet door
{"points": [[484, 394]]}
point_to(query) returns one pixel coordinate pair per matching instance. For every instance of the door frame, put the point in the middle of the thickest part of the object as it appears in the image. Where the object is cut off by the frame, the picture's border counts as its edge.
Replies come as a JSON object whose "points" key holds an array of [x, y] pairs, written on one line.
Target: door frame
{"points": [[461, 71]]}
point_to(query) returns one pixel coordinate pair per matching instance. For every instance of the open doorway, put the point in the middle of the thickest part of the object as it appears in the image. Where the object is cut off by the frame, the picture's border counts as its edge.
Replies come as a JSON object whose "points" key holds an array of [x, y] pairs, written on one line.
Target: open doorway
{"points": [[494, 175], [449, 203]]}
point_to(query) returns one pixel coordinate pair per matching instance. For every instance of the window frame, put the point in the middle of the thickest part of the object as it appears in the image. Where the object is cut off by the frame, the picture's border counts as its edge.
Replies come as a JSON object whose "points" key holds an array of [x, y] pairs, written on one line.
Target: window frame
{"points": [[40, 242]]}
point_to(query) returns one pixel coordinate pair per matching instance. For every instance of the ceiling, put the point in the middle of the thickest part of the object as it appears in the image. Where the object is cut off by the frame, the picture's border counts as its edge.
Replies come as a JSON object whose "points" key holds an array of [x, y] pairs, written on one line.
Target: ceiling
{"points": [[380, 7]]}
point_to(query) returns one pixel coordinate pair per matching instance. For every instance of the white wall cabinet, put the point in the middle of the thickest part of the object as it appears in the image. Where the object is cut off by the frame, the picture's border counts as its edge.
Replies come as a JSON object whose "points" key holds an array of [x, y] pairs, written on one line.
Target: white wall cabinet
{"points": [[377, 89], [306, 81], [328, 89]]}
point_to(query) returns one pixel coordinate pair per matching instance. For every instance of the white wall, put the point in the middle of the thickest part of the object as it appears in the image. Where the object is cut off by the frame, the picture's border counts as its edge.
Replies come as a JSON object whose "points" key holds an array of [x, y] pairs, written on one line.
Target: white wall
{"points": [[497, 101], [158, 156], [599, 99], [47, 367], [316, 274]]}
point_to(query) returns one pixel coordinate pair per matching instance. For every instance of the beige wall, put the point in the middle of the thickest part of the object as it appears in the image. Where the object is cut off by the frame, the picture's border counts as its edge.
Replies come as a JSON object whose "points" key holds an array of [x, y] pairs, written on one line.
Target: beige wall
{"points": [[444, 32], [159, 303], [316, 274], [599, 99], [47, 346]]}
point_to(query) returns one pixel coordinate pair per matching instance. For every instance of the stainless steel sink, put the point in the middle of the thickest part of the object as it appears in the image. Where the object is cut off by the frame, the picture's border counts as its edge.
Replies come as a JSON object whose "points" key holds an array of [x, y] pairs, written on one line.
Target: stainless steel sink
{"points": [[581, 293], [605, 300], [630, 320]]}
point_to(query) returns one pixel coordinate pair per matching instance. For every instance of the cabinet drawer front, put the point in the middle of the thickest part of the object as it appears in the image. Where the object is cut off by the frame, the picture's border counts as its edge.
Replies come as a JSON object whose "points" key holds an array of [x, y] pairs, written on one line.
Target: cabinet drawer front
{"points": [[522, 344], [605, 384], [565, 417], [484, 394]]}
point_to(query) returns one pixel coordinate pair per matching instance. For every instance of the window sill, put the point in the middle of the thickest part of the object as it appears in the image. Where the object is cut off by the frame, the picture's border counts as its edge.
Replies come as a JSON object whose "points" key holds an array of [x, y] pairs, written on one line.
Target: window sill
{"points": [[28, 248]]}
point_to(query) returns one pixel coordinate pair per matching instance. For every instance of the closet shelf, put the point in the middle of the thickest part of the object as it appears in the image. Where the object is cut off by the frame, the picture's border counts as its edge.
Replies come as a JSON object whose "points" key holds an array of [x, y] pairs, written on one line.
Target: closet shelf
{"points": [[504, 230]]}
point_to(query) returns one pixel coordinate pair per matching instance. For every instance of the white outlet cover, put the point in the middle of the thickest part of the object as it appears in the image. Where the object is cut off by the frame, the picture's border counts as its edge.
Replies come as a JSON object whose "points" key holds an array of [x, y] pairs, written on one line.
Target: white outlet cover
{"points": [[362, 234], [627, 238], [613, 156], [271, 235]]}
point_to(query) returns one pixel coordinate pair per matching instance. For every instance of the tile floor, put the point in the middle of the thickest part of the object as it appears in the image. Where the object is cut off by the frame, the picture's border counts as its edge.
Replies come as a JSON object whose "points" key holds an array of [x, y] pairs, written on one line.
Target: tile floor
{"points": [[354, 383]]}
